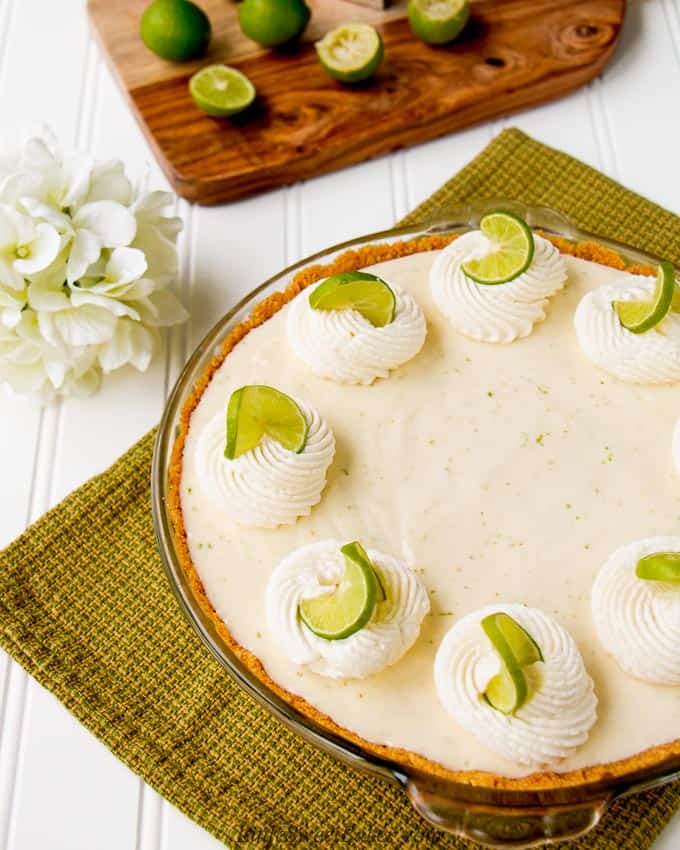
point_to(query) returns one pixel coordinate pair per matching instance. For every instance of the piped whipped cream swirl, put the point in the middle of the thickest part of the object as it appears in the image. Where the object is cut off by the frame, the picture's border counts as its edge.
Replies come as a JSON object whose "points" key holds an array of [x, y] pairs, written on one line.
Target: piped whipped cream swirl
{"points": [[495, 313], [638, 621], [268, 485], [562, 706], [652, 357], [394, 627], [344, 346]]}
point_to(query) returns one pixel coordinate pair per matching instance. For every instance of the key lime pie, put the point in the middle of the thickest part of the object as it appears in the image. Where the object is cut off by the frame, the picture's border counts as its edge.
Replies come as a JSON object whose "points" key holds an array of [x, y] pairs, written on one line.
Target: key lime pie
{"points": [[428, 496]]}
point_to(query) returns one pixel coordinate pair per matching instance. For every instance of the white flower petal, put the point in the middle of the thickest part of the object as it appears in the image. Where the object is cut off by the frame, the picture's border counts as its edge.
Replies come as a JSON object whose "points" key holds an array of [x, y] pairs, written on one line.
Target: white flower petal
{"points": [[109, 183], [79, 297], [45, 297], [87, 325], [75, 180], [10, 316], [161, 309], [124, 266], [9, 276], [160, 253], [59, 220], [132, 343], [8, 229], [113, 223], [43, 250], [85, 250]]}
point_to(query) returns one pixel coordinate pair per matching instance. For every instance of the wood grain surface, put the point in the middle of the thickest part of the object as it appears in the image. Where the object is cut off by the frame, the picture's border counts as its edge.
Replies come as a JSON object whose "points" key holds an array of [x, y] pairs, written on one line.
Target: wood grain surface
{"points": [[513, 54]]}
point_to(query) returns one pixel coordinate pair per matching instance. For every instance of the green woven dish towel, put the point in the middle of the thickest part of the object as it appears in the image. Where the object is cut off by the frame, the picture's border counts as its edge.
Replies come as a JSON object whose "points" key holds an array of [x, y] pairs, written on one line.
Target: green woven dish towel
{"points": [[85, 607]]}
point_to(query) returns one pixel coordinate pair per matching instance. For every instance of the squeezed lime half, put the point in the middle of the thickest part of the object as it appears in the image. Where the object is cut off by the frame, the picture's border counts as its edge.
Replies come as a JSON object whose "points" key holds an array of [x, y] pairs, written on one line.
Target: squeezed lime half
{"points": [[351, 53], [438, 21], [221, 91], [273, 22], [366, 293], [349, 605], [640, 316], [255, 411], [512, 249], [175, 29]]}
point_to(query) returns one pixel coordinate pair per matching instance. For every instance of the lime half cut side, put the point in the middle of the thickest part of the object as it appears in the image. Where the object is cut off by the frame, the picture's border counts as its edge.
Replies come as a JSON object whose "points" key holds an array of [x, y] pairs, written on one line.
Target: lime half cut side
{"points": [[508, 690], [438, 21], [360, 291], [640, 316], [221, 91], [351, 53], [349, 605], [659, 566], [512, 250], [255, 411]]}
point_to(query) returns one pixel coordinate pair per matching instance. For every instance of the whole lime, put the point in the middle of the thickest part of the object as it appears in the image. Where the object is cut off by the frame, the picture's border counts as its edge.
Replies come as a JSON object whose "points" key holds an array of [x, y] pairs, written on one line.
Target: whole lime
{"points": [[273, 22], [175, 29]]}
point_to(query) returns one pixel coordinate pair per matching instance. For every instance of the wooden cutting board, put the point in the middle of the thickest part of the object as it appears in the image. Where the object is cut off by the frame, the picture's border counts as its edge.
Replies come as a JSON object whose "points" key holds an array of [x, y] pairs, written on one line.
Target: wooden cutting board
{"points": [[513, 54]]}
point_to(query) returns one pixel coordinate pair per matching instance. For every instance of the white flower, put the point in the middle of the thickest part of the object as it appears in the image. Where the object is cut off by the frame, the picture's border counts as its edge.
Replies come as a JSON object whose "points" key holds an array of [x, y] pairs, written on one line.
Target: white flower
{"points": [[85, 265]]}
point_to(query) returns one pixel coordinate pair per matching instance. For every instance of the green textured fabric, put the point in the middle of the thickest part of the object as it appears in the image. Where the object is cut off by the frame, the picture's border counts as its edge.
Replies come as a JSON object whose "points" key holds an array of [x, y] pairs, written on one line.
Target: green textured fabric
{"points": [[85, 607]]}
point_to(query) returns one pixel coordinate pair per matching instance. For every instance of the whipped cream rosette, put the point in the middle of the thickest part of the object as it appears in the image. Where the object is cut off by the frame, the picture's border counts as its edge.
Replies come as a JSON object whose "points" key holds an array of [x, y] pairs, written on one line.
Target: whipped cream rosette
{"points": [[638, 620], [498, 313], [318, 568], [268, 485], [560, 710], [652, 357], [344, 346]]}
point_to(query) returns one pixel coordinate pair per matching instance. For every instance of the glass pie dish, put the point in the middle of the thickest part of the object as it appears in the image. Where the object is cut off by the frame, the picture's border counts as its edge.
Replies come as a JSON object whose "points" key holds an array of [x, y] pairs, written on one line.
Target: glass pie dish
{"points": [[497, 817]]}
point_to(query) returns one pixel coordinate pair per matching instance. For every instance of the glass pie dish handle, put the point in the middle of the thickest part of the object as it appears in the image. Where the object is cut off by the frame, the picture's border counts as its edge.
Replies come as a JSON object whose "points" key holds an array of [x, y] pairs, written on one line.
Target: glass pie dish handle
{"points": [[504, 826]]}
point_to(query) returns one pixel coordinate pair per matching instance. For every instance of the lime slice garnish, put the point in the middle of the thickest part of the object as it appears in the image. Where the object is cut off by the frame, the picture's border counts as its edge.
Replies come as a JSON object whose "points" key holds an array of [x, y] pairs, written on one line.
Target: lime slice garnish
{"points": [[257, 410], [351, 53], [357, 552], [438, 21], [659, 566], [360, 291], [640, 316], [350, 605], [175, 29], [508, 690], [513, 249], [221, 91], [273, 22]]}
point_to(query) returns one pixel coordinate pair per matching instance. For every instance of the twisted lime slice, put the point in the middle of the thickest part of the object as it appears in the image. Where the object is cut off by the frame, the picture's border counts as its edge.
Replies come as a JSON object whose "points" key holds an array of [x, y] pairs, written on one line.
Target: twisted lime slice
{"points": [[348, 607], [351, 53], [659, 566], [438, 21], [513, 249], [640, 316], [360, 291], [256, 410], [508, 690], [221, 91]]}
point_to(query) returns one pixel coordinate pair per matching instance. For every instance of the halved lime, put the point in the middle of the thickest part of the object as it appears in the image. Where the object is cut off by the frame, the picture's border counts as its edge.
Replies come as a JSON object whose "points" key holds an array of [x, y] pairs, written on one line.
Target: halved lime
{"points": [[366, 293], [273, 22], [516, 649], [356, 552], [221, 91], [512, 249], [351, 53], [350, 605], [175, 29], [659, 566], [438, 21], [256, 410], [640, 316]]}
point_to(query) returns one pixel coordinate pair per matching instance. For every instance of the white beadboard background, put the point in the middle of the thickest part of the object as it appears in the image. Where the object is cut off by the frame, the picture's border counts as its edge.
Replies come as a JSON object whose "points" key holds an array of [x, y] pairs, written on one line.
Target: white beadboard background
{"points": [[59, 788]]}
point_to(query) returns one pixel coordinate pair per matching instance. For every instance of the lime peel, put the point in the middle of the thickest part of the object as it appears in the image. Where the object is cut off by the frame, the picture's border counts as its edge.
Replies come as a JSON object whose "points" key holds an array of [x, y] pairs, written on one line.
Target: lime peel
{"points": [[513, 243], [641, 316], [659, 566], [508, 690], [257, 410]]}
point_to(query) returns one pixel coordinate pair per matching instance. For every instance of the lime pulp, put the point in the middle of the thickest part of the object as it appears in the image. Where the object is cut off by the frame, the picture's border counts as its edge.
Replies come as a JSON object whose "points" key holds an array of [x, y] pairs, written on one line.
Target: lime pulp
{"points": [[366, 293], [221, 91], [640, 316], [350, 604], [255, 411], [512, 249], [175, 29], [659, 566], [351, 53], [508, 690], [438, 21], [273, 22]]}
